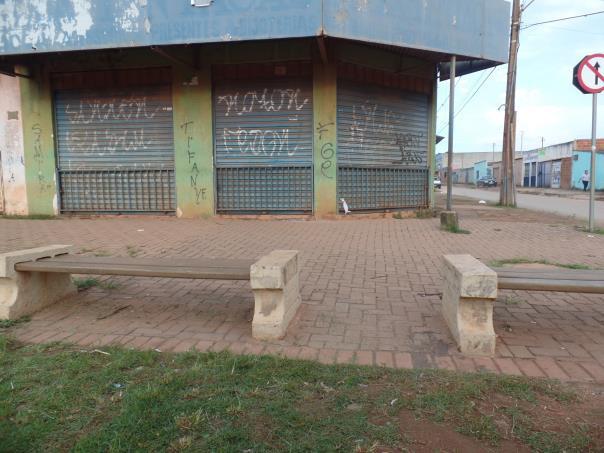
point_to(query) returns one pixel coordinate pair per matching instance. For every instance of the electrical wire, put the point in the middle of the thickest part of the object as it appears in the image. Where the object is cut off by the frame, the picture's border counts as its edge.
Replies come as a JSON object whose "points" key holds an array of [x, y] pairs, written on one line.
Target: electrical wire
{"points": [[526, 6], [561, 19], [470, 98], [447, 98]]}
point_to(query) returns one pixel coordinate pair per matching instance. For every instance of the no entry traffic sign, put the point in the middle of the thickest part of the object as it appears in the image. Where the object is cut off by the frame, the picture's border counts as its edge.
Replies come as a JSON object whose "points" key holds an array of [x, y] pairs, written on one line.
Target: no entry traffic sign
{"points": [[588, 75]]}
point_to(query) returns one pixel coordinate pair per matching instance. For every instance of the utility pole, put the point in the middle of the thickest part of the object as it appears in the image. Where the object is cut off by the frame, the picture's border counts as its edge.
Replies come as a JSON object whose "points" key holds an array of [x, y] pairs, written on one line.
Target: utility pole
{"points": [[448, 218], [451, 129], [507, 196]]}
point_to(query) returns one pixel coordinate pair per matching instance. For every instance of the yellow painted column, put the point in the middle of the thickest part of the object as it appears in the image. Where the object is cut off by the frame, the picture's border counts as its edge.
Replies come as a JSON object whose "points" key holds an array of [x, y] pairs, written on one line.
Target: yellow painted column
{"points": [[38, 145], [193, 142], [325, 140]]}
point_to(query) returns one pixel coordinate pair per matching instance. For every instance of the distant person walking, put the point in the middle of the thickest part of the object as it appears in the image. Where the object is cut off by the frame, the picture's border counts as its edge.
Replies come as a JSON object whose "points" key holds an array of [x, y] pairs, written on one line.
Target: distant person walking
{"points": [[585, 180]]}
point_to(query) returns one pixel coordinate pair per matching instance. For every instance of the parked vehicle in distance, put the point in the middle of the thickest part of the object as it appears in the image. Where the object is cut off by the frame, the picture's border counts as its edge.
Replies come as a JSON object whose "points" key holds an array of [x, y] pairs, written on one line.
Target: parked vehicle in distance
{"points": [[486, 181], [437, 183]]}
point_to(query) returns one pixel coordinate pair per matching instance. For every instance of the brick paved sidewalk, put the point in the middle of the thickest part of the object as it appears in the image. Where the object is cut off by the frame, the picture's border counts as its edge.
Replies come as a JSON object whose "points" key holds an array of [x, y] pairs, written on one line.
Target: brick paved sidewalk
{"points": [[370, 292]]}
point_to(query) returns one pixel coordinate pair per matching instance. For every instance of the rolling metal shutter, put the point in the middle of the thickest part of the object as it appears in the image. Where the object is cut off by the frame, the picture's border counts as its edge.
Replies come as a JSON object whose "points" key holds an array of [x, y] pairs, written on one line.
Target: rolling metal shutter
{"points": [[115, 149], [263, 144], [382, 147]]}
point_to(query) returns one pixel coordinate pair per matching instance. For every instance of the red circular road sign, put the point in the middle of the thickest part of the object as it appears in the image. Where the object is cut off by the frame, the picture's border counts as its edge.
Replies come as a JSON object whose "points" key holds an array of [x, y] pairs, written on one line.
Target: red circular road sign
{"points": [[588, 75]]}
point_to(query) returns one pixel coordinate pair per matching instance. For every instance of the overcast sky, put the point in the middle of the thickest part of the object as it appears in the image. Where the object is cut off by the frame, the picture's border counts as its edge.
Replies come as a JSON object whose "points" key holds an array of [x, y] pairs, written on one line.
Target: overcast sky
{"points": [[548, 105]]}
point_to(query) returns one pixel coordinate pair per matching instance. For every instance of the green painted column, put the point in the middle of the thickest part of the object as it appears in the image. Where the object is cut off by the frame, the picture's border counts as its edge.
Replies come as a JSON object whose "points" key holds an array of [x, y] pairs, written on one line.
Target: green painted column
{"points": [[432, 143], [38, 145], [325, 139], [193, 142]]}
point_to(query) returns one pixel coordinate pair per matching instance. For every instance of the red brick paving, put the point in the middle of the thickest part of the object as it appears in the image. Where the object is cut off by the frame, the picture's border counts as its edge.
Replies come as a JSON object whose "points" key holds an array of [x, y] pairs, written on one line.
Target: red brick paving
{"points": [[370, 291]]}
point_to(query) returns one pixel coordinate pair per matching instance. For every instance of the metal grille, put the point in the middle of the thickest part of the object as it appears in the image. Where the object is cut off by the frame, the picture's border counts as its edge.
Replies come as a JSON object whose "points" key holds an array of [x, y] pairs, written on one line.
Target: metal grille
{"points": [[121, 136], [264, 189], [263, 145], [368, 188], [108, 191]]}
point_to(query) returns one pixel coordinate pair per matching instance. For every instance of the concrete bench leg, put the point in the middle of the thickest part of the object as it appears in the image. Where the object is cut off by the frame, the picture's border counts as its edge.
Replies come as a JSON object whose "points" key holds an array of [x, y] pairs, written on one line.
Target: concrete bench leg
{"points": [[23, 293], [468, 298], [274, 280]]}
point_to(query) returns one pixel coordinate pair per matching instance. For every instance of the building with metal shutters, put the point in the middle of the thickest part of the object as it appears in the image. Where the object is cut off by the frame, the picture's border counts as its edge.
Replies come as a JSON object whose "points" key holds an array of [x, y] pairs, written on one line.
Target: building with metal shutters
{"points": [[232, 106], [263, 139], [114, 141]]}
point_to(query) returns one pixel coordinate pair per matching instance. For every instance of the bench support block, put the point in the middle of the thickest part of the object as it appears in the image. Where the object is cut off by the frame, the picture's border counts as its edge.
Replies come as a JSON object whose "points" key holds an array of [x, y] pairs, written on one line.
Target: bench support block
{"points": [[275, 282], [468, 298], [24, 293]]}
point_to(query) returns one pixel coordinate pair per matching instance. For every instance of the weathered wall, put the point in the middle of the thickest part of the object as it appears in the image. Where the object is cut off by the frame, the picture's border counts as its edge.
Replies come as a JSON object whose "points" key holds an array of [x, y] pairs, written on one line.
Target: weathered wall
{"points": [[39, 153], [193, 144], [566, 173], [472, 28], [12, 165], [325, 139], [480, 170]]}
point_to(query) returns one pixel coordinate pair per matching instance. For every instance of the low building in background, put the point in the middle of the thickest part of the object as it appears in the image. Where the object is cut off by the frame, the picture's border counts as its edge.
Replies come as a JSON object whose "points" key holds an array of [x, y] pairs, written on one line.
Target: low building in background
{"points": [[462, 161], [561, 166], [497, 168], [470, 167]]}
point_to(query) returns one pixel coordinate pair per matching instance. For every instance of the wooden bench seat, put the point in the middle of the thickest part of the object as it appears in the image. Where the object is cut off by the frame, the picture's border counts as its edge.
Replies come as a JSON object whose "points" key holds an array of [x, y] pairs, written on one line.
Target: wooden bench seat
{"points": [[32, 279], [563, 280], [202, 268]]}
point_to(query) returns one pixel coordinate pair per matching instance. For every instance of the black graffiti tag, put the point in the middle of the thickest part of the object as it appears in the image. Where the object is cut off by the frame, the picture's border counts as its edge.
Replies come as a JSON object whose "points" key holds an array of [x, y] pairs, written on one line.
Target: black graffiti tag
{"points": [[200, 192]]}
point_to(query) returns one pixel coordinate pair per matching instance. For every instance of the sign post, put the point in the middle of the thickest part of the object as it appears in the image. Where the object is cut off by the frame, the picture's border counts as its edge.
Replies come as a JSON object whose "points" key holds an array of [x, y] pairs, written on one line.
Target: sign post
{"points": [[588, 77]]}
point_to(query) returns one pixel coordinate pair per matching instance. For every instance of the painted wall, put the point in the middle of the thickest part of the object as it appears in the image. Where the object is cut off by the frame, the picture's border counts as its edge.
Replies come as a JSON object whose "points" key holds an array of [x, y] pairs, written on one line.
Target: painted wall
{"points": [[325, 139], [473, 28], [38, 142], [582, 163], [193, 145], [13, 191], [480, 170]]}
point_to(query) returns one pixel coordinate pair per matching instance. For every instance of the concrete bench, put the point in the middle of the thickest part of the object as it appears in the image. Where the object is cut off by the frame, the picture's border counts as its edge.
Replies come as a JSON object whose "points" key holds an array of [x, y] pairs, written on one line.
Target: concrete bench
{"points": [[33, 279], [471, 289], [467, 305]]}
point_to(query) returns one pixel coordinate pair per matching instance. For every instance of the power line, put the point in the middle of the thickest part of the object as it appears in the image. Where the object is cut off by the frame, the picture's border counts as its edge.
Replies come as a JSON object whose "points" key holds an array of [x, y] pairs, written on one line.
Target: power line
{"points": [[572, 30], [445, 101], [527, 5], [470, 98], [561, 19], [478, 81]]}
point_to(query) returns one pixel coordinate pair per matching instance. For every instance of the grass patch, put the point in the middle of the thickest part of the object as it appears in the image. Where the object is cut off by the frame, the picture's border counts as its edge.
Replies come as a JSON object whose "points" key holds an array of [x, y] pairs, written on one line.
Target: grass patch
{"points": [[147, 401], [512, 300], [504, 262], [426, 213], [85, 283], [132, 250], [28, 217], [7, 323], [455, 229], [95, 252], [499, 205], [597, 230]]}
